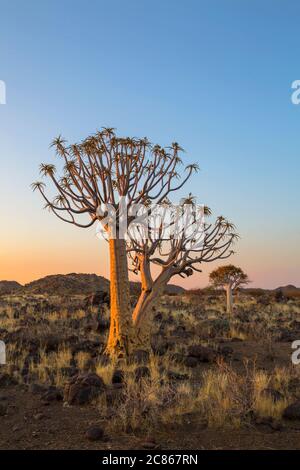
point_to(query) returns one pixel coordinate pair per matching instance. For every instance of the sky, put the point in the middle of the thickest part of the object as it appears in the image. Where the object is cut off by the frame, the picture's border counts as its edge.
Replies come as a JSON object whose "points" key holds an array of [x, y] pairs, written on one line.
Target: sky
{"points": [[213, 75]]}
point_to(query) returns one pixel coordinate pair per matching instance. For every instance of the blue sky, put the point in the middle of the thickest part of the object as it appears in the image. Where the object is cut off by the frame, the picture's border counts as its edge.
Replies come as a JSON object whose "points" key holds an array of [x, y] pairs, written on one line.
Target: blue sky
{"points": [[213, 75]]}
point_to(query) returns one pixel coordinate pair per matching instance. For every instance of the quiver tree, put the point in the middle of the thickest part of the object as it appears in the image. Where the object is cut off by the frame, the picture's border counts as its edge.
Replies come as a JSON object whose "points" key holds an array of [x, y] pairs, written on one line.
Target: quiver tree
{"points": [[99, 175], [229, 278], [182, 252]]}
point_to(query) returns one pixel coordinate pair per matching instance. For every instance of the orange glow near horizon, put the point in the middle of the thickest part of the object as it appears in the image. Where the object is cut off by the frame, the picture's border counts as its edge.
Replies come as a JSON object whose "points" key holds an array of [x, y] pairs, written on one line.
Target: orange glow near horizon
{"points": [[37, 261], [45, 246]]}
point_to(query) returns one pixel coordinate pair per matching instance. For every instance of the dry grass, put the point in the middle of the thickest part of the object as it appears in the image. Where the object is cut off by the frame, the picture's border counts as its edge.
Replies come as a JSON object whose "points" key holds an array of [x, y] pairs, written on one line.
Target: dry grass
{"points": [[225, 398], [222, 394], [51, 365]]}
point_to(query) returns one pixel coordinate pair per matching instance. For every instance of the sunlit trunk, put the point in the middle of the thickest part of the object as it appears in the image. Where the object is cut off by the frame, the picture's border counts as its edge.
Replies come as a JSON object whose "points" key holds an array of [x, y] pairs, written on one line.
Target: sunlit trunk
{"points": [[120, 333], [142, 317], [143, 312], [229, 297]]}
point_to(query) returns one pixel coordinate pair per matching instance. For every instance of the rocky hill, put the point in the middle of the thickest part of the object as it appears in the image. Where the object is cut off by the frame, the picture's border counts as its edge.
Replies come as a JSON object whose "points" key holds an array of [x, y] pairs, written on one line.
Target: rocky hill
{"points": [[70, 284], [288, 288], [8, 287], [289, 291]]}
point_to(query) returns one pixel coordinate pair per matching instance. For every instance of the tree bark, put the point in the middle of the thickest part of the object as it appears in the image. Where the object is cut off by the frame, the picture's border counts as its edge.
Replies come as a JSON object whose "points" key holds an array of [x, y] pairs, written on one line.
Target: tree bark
{"points": [[142, 314], [120, 332], [229, 298]]}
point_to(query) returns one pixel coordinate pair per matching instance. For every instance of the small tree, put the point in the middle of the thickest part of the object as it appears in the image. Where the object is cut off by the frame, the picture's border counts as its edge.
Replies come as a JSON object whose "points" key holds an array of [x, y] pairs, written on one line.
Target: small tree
{"points": [[229, 278]]}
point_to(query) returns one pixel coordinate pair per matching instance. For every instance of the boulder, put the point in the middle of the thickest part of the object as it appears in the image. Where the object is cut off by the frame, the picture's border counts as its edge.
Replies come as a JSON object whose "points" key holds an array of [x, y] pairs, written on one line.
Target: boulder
{"points": [[52, 394], [118, 377], [37, 389], [140, 356], [191, 361], [6, 379], [292, 412], [172, 375], [3, 409], [94, 433], [202, 353], [83, 388], [159, 346]]}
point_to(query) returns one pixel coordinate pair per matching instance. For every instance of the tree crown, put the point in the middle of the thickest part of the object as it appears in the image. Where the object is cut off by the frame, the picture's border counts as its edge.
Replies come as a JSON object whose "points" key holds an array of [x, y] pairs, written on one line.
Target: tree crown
{"points": [[104, 167], [229, 274]]}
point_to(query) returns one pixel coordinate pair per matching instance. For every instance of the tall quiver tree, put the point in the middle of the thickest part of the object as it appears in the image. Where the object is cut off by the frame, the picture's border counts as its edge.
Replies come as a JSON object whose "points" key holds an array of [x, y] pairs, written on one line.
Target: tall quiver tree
{"points": [[228, 277], [97, 173]]}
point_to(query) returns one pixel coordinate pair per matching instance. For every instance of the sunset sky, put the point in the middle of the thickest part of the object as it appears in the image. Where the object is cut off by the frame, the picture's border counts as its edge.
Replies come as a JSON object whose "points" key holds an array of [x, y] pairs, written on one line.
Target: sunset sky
{"points": [[213, 75]]}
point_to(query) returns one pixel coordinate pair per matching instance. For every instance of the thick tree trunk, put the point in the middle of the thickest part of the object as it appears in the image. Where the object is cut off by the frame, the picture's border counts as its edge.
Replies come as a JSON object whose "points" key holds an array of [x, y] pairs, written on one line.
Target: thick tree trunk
{"points": [[229, 298], [120, 333], [142, 320], [143, 312]]}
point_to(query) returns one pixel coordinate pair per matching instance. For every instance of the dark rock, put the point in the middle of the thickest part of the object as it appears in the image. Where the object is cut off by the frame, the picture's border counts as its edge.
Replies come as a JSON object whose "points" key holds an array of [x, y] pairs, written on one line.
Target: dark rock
{"points": [[159, 346], [277, 425], [6, 380], [287, 336], [140, 356], [270, 422], [83, 388], [3, 409], [37, 389], [202, 353], [292, 412], [225, 351], [117, 377], [176, 376], [86, 346], [94, 433], [52, 394], [51, 343], [180, 332], [191, 361]]}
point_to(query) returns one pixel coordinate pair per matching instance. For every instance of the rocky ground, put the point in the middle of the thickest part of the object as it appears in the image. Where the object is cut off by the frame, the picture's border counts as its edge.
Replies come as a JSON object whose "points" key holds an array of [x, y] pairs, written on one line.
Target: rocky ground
{"points": [[206, 374]]}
